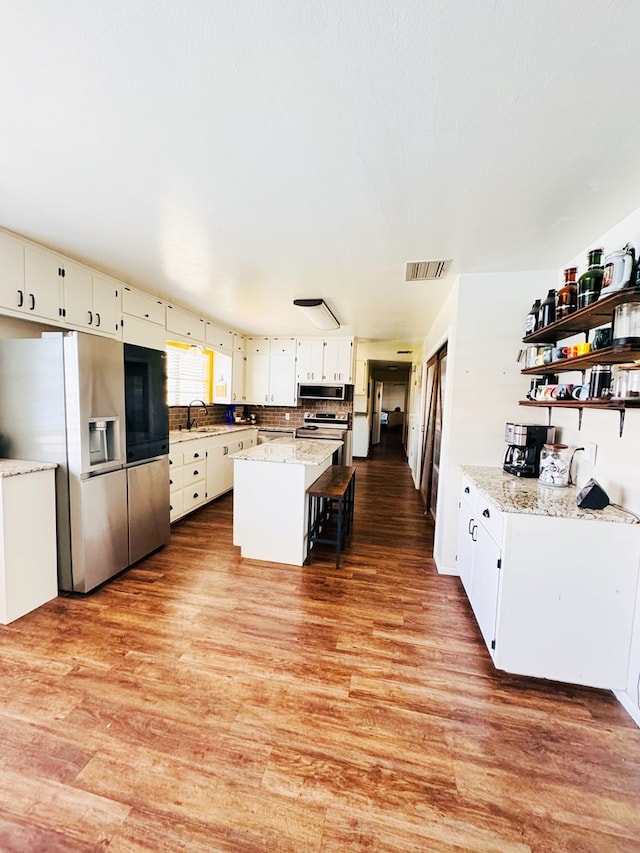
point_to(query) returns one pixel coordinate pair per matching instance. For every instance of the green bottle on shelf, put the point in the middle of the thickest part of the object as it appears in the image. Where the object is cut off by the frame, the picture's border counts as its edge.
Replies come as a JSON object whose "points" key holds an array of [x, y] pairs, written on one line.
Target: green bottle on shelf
{"points": [[590, 282]]}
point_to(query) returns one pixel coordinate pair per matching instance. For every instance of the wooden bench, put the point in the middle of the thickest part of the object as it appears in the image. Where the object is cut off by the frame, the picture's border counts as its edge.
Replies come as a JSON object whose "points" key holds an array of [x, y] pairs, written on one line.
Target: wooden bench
{"points": [[331, 502]]}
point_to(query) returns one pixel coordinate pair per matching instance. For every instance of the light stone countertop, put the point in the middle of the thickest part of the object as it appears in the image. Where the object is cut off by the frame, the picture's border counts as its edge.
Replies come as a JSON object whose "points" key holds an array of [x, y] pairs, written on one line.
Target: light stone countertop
{"points": [[528, 496], [14, 467], [178, 435], [306, 451]]}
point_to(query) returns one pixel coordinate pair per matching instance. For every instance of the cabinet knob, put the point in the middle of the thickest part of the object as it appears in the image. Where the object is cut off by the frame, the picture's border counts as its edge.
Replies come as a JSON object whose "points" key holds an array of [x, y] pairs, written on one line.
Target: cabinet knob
{"points": [[196, 455], [467, 490], [486, 513], [195, 472], [195, 495]]}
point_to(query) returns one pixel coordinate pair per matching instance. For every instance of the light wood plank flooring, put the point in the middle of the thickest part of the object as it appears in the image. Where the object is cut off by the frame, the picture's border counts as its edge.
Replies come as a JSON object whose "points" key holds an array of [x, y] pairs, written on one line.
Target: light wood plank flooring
{"points": [[201, 702]]}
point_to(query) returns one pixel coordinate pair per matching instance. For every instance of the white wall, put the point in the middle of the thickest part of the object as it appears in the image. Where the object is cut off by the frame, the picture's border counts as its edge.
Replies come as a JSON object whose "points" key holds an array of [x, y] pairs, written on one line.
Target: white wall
{"points": [[617, 466], [483, 384]]}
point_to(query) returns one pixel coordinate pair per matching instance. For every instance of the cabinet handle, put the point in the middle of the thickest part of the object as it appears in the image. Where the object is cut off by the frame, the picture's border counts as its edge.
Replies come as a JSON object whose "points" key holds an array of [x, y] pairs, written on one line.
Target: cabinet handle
{"points": [[32, 299], [471, 523], [242, 445], [486, 513], [195, 495], [225, 450], [467, 490], [196, 472], [97, 320], [473, 533], [20, 299], [171, 482], [196, 455], [90, 317]]}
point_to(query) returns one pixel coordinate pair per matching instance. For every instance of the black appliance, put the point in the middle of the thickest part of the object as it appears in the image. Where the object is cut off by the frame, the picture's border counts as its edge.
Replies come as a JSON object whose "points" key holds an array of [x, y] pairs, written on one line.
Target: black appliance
{"points": [[525, 443], [321, 392], [145, 392]]}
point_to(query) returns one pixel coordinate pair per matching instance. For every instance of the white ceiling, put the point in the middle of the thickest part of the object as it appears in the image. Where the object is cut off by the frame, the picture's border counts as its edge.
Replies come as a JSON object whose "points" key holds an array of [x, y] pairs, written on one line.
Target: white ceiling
{"points": [[236, 154]]}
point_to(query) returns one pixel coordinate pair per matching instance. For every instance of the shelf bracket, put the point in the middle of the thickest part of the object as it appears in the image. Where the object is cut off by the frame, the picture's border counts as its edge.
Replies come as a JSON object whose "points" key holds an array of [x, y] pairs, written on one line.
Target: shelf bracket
{"points": [[580, 411], [549, 410], [621, 413]]}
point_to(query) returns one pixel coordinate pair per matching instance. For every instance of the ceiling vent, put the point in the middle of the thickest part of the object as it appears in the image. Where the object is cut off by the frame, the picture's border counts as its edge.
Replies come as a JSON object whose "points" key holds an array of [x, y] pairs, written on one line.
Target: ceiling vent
{"points": [[426, 270]]}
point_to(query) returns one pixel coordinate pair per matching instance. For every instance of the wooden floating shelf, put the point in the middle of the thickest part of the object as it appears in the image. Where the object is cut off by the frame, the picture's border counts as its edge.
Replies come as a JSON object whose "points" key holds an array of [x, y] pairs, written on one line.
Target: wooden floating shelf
{"points": [[607, 355], [596, 314], [611, 405]]}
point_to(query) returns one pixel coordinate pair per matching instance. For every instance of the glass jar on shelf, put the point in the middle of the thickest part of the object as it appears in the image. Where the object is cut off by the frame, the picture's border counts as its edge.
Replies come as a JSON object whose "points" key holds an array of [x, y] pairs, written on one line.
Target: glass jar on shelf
{"points": [[626, 381], [626, 324]]}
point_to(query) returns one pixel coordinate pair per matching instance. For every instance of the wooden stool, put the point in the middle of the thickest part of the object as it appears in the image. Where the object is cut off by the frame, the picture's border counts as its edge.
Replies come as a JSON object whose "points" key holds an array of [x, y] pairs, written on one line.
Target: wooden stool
{"points": [[331, 503]]}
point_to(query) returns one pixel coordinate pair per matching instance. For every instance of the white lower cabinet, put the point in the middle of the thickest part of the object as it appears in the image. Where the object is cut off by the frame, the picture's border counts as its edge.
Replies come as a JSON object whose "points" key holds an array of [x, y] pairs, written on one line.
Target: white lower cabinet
{"points": [[28, 563], [553, 597], [201, 469]]}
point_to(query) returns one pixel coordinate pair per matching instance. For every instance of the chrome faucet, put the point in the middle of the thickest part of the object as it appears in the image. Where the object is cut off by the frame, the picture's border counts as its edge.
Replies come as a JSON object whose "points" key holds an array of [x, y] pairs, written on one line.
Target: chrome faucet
{"points": [[190, 422]]}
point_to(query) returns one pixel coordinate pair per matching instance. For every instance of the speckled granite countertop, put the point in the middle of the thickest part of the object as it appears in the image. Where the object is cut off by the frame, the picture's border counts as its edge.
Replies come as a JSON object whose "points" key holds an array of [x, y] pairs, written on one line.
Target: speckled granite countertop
{"points": [[306, 451], [178, 435], [14, 467], [526, 495]]}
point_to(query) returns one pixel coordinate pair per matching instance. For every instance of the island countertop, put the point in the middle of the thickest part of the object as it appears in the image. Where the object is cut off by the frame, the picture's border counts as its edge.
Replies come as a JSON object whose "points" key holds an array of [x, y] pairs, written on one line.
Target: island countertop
{"points": [[528, 496], [14, 467], [306, 451]]}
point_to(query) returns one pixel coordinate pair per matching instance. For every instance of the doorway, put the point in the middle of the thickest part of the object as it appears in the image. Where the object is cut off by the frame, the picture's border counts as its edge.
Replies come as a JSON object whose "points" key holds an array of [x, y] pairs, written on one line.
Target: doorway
{"points": [[390, 382], [432, 418]]}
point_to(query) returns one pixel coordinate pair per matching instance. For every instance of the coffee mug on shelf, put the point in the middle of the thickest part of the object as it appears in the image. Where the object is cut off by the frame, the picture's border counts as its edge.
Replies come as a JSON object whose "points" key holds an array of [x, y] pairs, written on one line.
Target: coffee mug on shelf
{"points": [[580, 392], [602, 338], [565, 391], [558, 353], [570, 352], [583, 349]]}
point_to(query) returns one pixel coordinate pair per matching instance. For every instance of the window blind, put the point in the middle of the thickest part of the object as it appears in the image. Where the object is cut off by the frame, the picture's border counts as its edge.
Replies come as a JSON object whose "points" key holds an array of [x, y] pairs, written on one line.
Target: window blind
{"points": [[188, 374]]}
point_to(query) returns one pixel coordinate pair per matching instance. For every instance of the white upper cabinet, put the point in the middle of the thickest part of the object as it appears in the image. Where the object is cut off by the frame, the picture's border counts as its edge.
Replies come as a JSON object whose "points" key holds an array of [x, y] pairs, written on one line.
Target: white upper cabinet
{"points": [[185, 323], [12, 295], [238, 393], [325, 360], [91, 300], [143, 321], [271, 371], [43, 277], [338, 360], [218, 337], [310, 360]]}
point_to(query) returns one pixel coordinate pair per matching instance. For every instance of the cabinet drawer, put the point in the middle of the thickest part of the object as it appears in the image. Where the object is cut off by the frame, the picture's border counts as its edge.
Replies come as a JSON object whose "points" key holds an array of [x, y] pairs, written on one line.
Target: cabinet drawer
{"points": [[176, 478], [194, 472], [490, 518], [195, 454], [176, 504], [175, 459], [193, 496], [469, 493]]}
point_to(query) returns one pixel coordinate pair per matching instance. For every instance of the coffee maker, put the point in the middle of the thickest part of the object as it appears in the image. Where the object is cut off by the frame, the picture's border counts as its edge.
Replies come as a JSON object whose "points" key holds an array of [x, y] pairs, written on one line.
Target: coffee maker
{"points": [[525, 443]]}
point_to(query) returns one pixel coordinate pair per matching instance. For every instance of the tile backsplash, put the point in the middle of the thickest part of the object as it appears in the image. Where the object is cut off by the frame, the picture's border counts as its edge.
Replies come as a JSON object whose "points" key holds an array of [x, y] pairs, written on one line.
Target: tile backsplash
{"points": [[265, 415]]}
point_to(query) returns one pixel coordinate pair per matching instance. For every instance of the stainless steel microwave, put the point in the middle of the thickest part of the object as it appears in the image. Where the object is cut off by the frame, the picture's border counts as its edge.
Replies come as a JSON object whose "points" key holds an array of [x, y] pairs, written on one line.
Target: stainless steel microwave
{"points": [[321, 392]]}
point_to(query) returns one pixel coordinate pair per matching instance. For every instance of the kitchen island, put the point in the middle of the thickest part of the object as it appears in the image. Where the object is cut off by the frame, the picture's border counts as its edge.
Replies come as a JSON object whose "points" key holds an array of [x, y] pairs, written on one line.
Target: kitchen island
{"points": [[270, 483]]}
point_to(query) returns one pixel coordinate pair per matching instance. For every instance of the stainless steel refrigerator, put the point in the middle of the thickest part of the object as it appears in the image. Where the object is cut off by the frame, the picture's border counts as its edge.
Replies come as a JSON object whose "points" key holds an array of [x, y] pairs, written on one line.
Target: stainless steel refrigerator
{"points": [[62, 400]]}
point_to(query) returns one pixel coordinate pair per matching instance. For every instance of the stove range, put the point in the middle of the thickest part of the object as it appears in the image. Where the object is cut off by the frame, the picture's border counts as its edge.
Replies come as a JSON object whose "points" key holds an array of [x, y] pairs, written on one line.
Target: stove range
{"points": [[332, 426]]}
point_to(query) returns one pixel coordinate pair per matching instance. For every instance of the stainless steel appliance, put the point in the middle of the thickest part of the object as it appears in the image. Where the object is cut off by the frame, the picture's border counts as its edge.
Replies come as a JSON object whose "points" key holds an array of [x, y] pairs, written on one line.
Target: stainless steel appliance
{"points": [[308, 391], [332, 426], [525, 443], [62, 401], [265, 434], [147, 432]]}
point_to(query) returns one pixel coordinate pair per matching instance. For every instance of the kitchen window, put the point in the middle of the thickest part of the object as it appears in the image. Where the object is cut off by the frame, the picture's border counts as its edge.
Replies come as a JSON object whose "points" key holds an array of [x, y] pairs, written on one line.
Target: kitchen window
{"points": [[189, 373]]}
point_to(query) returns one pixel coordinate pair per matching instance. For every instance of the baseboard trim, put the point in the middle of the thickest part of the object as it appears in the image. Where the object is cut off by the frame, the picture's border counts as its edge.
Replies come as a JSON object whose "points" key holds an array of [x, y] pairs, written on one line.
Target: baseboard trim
{"points": [[630, 707]]}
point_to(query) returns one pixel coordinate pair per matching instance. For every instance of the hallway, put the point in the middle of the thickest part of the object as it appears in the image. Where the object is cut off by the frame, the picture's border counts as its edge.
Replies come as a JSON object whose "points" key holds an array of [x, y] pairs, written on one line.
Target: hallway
{"points": [[202, 702]]}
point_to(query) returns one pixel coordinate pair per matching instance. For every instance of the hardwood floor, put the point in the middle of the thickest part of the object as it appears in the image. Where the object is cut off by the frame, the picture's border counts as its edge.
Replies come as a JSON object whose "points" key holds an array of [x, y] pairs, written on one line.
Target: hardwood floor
{"points": [[201, 702]]}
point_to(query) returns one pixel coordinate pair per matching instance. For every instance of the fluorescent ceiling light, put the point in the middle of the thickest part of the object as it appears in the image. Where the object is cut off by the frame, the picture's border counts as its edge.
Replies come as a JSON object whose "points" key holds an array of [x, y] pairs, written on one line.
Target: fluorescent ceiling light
{"points": [[318, 312]]}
